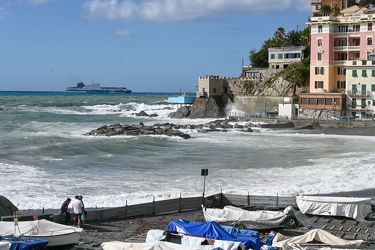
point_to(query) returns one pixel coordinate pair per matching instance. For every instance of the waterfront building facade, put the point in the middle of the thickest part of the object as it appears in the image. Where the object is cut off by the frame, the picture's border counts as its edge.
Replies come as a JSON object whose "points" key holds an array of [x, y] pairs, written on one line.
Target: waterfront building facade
{"points": [[342, 68], [211, 85], [281, 57]]}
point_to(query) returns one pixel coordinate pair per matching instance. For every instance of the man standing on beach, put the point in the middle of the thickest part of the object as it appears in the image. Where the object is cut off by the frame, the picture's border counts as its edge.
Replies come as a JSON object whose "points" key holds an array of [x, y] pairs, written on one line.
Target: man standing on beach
{"points": [[84, 212], [64, 211], [77, 210]]}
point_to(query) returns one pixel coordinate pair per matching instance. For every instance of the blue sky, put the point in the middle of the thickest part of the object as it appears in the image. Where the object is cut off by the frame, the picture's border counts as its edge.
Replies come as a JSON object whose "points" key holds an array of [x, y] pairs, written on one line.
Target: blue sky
{"points": [[145, 45]]}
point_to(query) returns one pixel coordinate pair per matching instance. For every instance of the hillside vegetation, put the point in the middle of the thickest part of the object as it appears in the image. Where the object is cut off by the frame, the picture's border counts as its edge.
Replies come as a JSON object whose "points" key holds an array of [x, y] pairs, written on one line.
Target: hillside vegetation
{"points": [[291, 81]]}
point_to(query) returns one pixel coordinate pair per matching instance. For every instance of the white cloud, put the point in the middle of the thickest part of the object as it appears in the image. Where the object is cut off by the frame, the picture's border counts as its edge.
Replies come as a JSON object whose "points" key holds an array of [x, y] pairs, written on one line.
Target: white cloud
{"points": [[3, 13], [185, 10], [37, 2], [120, 32]]}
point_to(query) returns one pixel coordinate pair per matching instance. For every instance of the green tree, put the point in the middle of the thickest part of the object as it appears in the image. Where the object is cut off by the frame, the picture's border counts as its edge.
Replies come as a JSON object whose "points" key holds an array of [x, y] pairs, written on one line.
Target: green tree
{"points": [[336, 10], [325, 10], [293, 38], [279, 35], [248, 87], [305, 36]]}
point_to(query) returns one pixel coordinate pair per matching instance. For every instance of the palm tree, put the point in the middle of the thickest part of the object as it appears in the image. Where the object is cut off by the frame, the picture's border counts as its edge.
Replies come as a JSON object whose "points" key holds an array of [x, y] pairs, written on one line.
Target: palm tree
{"points": [[279, 35], [325, 10], [336, 10], [293, 38]]}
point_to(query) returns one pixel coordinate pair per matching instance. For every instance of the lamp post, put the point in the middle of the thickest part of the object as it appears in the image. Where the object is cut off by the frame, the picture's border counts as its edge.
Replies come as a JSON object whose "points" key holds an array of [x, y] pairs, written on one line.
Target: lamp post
{"points": [[204, 173]]}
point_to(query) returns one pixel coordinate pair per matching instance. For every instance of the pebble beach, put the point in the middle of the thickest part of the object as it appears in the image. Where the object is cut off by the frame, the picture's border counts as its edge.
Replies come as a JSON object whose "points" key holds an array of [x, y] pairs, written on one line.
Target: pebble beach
{"points": [[135, 229]]}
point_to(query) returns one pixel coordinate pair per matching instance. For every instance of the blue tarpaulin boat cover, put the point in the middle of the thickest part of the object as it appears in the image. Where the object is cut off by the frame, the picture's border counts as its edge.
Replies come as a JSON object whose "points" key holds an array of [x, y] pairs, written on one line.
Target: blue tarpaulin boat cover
{"points": [[212, 230], [25, 243]]}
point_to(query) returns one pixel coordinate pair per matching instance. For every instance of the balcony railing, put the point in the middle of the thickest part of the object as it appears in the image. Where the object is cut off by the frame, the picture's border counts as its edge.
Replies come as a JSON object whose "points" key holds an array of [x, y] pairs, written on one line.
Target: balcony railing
{"points": [[358, 93]]}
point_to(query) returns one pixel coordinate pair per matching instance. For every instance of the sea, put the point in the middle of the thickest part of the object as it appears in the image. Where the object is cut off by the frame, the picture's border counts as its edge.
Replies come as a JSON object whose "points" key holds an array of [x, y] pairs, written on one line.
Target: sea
{"points": [[45, 156]]}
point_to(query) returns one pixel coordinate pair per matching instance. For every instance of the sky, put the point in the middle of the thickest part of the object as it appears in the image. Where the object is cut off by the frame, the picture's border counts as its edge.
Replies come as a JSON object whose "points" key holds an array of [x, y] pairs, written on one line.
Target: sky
{"points": [[144, 45]]}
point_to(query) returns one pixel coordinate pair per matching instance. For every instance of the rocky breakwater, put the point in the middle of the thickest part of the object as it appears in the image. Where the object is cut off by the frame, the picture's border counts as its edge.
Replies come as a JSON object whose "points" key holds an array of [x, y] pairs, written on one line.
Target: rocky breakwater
{"points": [[136, 130], [168, 129]]}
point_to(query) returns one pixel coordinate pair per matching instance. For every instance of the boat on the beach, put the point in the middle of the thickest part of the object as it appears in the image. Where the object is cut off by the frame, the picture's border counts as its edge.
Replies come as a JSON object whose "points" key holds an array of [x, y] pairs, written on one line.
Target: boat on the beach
{"points": [[22, 243], [356, 208], [56, 234], [314, 238], [201, 233], [95, 88], [157, 245], [259, 219]]}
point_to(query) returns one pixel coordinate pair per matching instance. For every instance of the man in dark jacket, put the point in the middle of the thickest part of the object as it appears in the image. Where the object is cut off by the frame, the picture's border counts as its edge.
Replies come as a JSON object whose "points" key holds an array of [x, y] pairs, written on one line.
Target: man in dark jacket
{"points": [[65, 215]]}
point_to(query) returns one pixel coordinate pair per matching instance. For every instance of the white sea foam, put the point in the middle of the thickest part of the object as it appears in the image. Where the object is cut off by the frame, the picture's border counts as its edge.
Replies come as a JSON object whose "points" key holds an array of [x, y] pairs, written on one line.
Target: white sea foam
{"points": [[46, 158]]}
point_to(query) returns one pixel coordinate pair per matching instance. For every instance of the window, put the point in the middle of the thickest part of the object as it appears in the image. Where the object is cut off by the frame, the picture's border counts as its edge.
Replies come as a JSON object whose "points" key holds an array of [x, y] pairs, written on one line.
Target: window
{"points": [[369, 41], [373, 102], [373, 73], [319, 56], [320, 43], [369, 26], [312, 101], [363, 103], [320, 29], [342, 42], [356, 28], [303, 100], [372, 87], [343, 29], [328, 101], [364, 73], [341, 84], [354, 73], [354, 102], [319, 71], [272, 56], [336, 101], [318, 84], [341, 71], [280, 56], [320, 101]]}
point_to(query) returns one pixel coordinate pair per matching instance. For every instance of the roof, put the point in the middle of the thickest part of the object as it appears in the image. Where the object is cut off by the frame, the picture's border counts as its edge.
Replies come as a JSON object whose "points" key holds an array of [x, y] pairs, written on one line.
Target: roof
{"points": [[351, 9]]}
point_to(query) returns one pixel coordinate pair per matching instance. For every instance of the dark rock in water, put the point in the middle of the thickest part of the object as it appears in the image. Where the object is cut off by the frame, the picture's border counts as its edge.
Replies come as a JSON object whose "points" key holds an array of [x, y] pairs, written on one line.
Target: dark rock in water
{"points": [[135, 130], [212, 107], [182, 112], [6, 207], [142, 113]]}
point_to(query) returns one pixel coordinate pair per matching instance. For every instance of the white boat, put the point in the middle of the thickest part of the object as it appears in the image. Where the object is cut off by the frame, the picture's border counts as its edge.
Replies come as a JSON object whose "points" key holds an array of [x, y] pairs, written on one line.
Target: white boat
{"points": [[356, 208], [253, 219], [157, 245], [56, 234], [316, 237]]}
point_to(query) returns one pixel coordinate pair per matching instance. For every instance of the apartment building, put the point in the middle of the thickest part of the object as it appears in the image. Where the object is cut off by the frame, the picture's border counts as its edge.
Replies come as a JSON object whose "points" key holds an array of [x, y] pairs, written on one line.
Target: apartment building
{"points": [[342, 70], [342, 4]]}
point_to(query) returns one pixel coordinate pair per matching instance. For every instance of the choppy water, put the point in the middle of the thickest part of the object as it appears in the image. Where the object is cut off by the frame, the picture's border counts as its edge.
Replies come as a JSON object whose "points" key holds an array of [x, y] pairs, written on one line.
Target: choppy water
{"points": [[44, 156]]}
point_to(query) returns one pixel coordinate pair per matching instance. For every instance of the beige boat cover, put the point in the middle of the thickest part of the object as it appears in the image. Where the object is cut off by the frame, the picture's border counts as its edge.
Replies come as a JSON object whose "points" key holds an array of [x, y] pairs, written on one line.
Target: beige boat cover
{"points": [[235, 214], [315, 235], [158, 245], [356, 208]]}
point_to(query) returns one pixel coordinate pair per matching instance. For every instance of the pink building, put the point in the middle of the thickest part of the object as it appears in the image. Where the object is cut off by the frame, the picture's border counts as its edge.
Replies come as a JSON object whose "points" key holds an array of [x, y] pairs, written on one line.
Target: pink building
{"points": [[342, 70]]}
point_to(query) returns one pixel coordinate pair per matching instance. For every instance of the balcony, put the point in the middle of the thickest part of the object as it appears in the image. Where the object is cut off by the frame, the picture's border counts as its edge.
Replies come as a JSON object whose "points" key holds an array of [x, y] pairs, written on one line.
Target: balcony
{"points": [[357, 93]]}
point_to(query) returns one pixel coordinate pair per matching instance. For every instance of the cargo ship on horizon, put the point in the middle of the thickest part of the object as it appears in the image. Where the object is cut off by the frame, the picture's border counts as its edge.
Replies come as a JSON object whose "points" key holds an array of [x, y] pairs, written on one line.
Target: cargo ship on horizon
{"points": [[95, 88]]}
